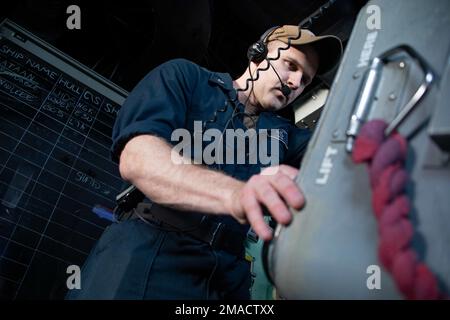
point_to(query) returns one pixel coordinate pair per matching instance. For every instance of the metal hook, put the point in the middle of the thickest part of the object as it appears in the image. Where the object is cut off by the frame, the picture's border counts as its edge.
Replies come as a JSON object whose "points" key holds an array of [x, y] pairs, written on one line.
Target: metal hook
{"points": [[363, 103]]}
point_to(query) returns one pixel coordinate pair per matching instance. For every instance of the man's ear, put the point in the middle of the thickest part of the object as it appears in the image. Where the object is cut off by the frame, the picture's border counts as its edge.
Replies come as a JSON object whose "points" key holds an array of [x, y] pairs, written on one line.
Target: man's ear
{"points": [[253, 67]]}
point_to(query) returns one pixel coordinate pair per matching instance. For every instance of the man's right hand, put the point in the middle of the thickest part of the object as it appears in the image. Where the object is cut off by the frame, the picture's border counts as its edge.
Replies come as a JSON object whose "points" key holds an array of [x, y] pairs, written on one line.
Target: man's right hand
{"points": [[273, 188]]}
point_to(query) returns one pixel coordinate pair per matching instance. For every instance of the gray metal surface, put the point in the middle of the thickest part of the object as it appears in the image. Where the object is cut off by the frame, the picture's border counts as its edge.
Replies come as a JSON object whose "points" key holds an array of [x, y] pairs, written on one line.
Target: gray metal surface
{"points": [[440, 122], [325, 252]]}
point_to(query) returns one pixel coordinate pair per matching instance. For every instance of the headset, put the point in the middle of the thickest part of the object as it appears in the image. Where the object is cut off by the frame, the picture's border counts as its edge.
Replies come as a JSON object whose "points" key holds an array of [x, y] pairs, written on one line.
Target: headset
{"points": [[257, 52]]}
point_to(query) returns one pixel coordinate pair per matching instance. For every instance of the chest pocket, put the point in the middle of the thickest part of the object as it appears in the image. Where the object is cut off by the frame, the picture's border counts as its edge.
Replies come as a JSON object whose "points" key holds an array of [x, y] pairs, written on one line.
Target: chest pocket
{"points": [[276, 147], [206, 134]]}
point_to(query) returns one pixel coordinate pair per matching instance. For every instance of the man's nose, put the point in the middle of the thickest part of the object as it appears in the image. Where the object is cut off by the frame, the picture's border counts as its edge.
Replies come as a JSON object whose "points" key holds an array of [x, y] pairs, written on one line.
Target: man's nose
{"points": [[295, 80]]}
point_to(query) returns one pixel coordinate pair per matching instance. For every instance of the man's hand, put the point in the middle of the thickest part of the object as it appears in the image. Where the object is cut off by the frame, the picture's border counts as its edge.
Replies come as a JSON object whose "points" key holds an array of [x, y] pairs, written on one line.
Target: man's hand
{"points": [[146, 163], [274, 188]]}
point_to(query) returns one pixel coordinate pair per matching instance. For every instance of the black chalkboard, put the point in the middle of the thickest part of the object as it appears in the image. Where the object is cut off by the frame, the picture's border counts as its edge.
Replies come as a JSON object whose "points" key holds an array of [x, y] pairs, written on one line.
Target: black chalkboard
{"points": [[57, 182]]}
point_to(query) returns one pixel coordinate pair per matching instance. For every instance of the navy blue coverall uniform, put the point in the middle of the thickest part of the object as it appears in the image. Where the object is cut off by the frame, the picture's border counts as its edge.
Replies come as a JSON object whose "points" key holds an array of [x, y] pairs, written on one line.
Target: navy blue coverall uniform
{"points": [[138, 260]]}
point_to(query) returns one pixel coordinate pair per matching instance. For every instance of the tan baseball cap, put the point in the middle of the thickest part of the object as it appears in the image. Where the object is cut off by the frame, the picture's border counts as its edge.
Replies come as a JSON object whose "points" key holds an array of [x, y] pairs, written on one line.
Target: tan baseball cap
{"points": [[328, 47]]}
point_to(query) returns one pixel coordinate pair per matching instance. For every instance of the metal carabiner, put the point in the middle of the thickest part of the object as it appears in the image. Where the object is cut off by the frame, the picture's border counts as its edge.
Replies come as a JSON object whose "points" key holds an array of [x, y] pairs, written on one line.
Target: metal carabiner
{"points": [[363, 103]]}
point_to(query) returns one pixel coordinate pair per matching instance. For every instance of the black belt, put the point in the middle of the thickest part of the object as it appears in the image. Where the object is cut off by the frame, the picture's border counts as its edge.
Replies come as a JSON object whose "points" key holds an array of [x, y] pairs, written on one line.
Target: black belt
{"points": [[201, 227]]}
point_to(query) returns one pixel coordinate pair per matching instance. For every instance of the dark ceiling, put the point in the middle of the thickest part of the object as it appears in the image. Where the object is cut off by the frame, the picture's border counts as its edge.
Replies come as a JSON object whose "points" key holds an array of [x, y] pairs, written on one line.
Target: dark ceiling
{"points": [[124, 40]]}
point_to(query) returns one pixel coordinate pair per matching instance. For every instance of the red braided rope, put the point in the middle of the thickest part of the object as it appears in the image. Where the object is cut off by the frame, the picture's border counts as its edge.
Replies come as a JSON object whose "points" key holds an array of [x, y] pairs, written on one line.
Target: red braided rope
{"points": [[386, 158]]}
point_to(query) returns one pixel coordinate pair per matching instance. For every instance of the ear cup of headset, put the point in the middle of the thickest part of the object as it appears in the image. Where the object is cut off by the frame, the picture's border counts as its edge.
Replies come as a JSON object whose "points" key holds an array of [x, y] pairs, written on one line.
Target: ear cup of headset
{"points": [[257, 52]]}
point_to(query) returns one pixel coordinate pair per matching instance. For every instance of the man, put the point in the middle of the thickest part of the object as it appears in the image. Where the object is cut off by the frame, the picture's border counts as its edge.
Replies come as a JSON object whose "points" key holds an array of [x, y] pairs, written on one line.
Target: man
{"points": [[188, 241]]}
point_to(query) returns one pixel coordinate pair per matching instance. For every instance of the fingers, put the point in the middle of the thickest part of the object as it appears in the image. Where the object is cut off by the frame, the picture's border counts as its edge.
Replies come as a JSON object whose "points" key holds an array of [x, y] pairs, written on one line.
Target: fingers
{"points": [[276, 190], [255, 216], [291, 172], [282, 179], [289, 190], [268, 196]]}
